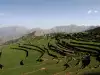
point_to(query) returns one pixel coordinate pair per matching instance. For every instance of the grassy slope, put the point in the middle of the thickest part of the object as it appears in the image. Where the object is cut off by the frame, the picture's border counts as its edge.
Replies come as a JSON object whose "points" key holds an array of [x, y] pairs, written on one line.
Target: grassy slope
{"points": [[10, 59]]}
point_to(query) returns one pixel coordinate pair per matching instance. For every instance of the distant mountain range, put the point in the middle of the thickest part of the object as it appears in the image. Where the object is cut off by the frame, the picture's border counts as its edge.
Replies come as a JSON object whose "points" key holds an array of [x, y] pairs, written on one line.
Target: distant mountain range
{"points": [[9, 33], [67, 29], [14, 32]]}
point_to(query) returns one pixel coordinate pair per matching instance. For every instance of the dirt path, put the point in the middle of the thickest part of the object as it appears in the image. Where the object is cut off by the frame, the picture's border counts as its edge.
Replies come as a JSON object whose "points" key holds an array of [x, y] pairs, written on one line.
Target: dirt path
{"points": [[58, 73], [37, 71], [30, 72]]}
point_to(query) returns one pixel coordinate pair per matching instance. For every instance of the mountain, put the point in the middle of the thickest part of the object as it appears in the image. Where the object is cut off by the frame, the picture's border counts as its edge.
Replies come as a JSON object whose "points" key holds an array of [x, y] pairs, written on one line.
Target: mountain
{"points": [[13, 32], [67, 29], [94, 30], [70, 28]]}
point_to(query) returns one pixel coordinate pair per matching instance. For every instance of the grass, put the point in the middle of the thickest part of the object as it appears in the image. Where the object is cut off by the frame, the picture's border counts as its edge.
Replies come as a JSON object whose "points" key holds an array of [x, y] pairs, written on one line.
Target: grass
{"points": [[11, 58]]}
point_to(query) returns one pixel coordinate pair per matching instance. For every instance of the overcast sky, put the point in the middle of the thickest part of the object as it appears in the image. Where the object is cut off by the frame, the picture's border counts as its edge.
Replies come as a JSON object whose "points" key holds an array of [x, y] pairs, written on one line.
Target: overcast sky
{"points": [[49, 13]]}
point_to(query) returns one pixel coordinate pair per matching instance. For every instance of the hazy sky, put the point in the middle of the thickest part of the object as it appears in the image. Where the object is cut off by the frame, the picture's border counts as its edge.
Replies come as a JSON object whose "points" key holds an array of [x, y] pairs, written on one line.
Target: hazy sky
{"points": [[49, 13]]}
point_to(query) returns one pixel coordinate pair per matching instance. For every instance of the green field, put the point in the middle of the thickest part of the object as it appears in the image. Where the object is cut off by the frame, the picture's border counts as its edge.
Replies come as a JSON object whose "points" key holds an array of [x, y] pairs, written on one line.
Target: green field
{"points": [[11, 60]]}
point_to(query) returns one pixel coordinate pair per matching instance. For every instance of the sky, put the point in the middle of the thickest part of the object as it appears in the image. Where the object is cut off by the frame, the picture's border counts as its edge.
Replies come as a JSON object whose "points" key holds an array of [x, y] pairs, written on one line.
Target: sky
{"points": [[49, 13]]}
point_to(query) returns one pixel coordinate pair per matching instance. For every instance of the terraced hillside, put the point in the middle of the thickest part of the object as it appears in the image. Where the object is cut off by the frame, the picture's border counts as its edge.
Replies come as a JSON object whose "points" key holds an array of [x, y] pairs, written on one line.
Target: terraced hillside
{"points": [[55, 54]]}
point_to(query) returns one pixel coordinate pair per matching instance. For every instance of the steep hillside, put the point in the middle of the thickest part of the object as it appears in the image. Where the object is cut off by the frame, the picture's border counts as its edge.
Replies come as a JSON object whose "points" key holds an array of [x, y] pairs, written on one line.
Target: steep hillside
{"points": [[94, 30], [40, 61]]}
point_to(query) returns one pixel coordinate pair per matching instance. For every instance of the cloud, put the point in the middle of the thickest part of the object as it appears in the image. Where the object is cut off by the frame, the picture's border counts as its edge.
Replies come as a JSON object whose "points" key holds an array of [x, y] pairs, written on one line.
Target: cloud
{"points": [[95, 11], [90, 11]]}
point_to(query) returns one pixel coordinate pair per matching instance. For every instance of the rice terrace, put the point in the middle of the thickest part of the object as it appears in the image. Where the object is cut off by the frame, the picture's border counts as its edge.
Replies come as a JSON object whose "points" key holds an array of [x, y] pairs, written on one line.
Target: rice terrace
{"points": [[49, 37], [52, 54]]}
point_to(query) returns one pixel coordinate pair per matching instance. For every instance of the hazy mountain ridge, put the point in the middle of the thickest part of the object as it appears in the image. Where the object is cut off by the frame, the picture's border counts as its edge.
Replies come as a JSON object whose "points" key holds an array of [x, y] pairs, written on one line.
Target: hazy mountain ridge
{"points": [[67, 29], [14, 32]]}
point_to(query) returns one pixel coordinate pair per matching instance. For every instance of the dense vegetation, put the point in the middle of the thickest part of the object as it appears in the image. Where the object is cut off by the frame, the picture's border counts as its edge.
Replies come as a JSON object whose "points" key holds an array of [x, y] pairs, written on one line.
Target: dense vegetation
{"points": [[57, 53]]}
